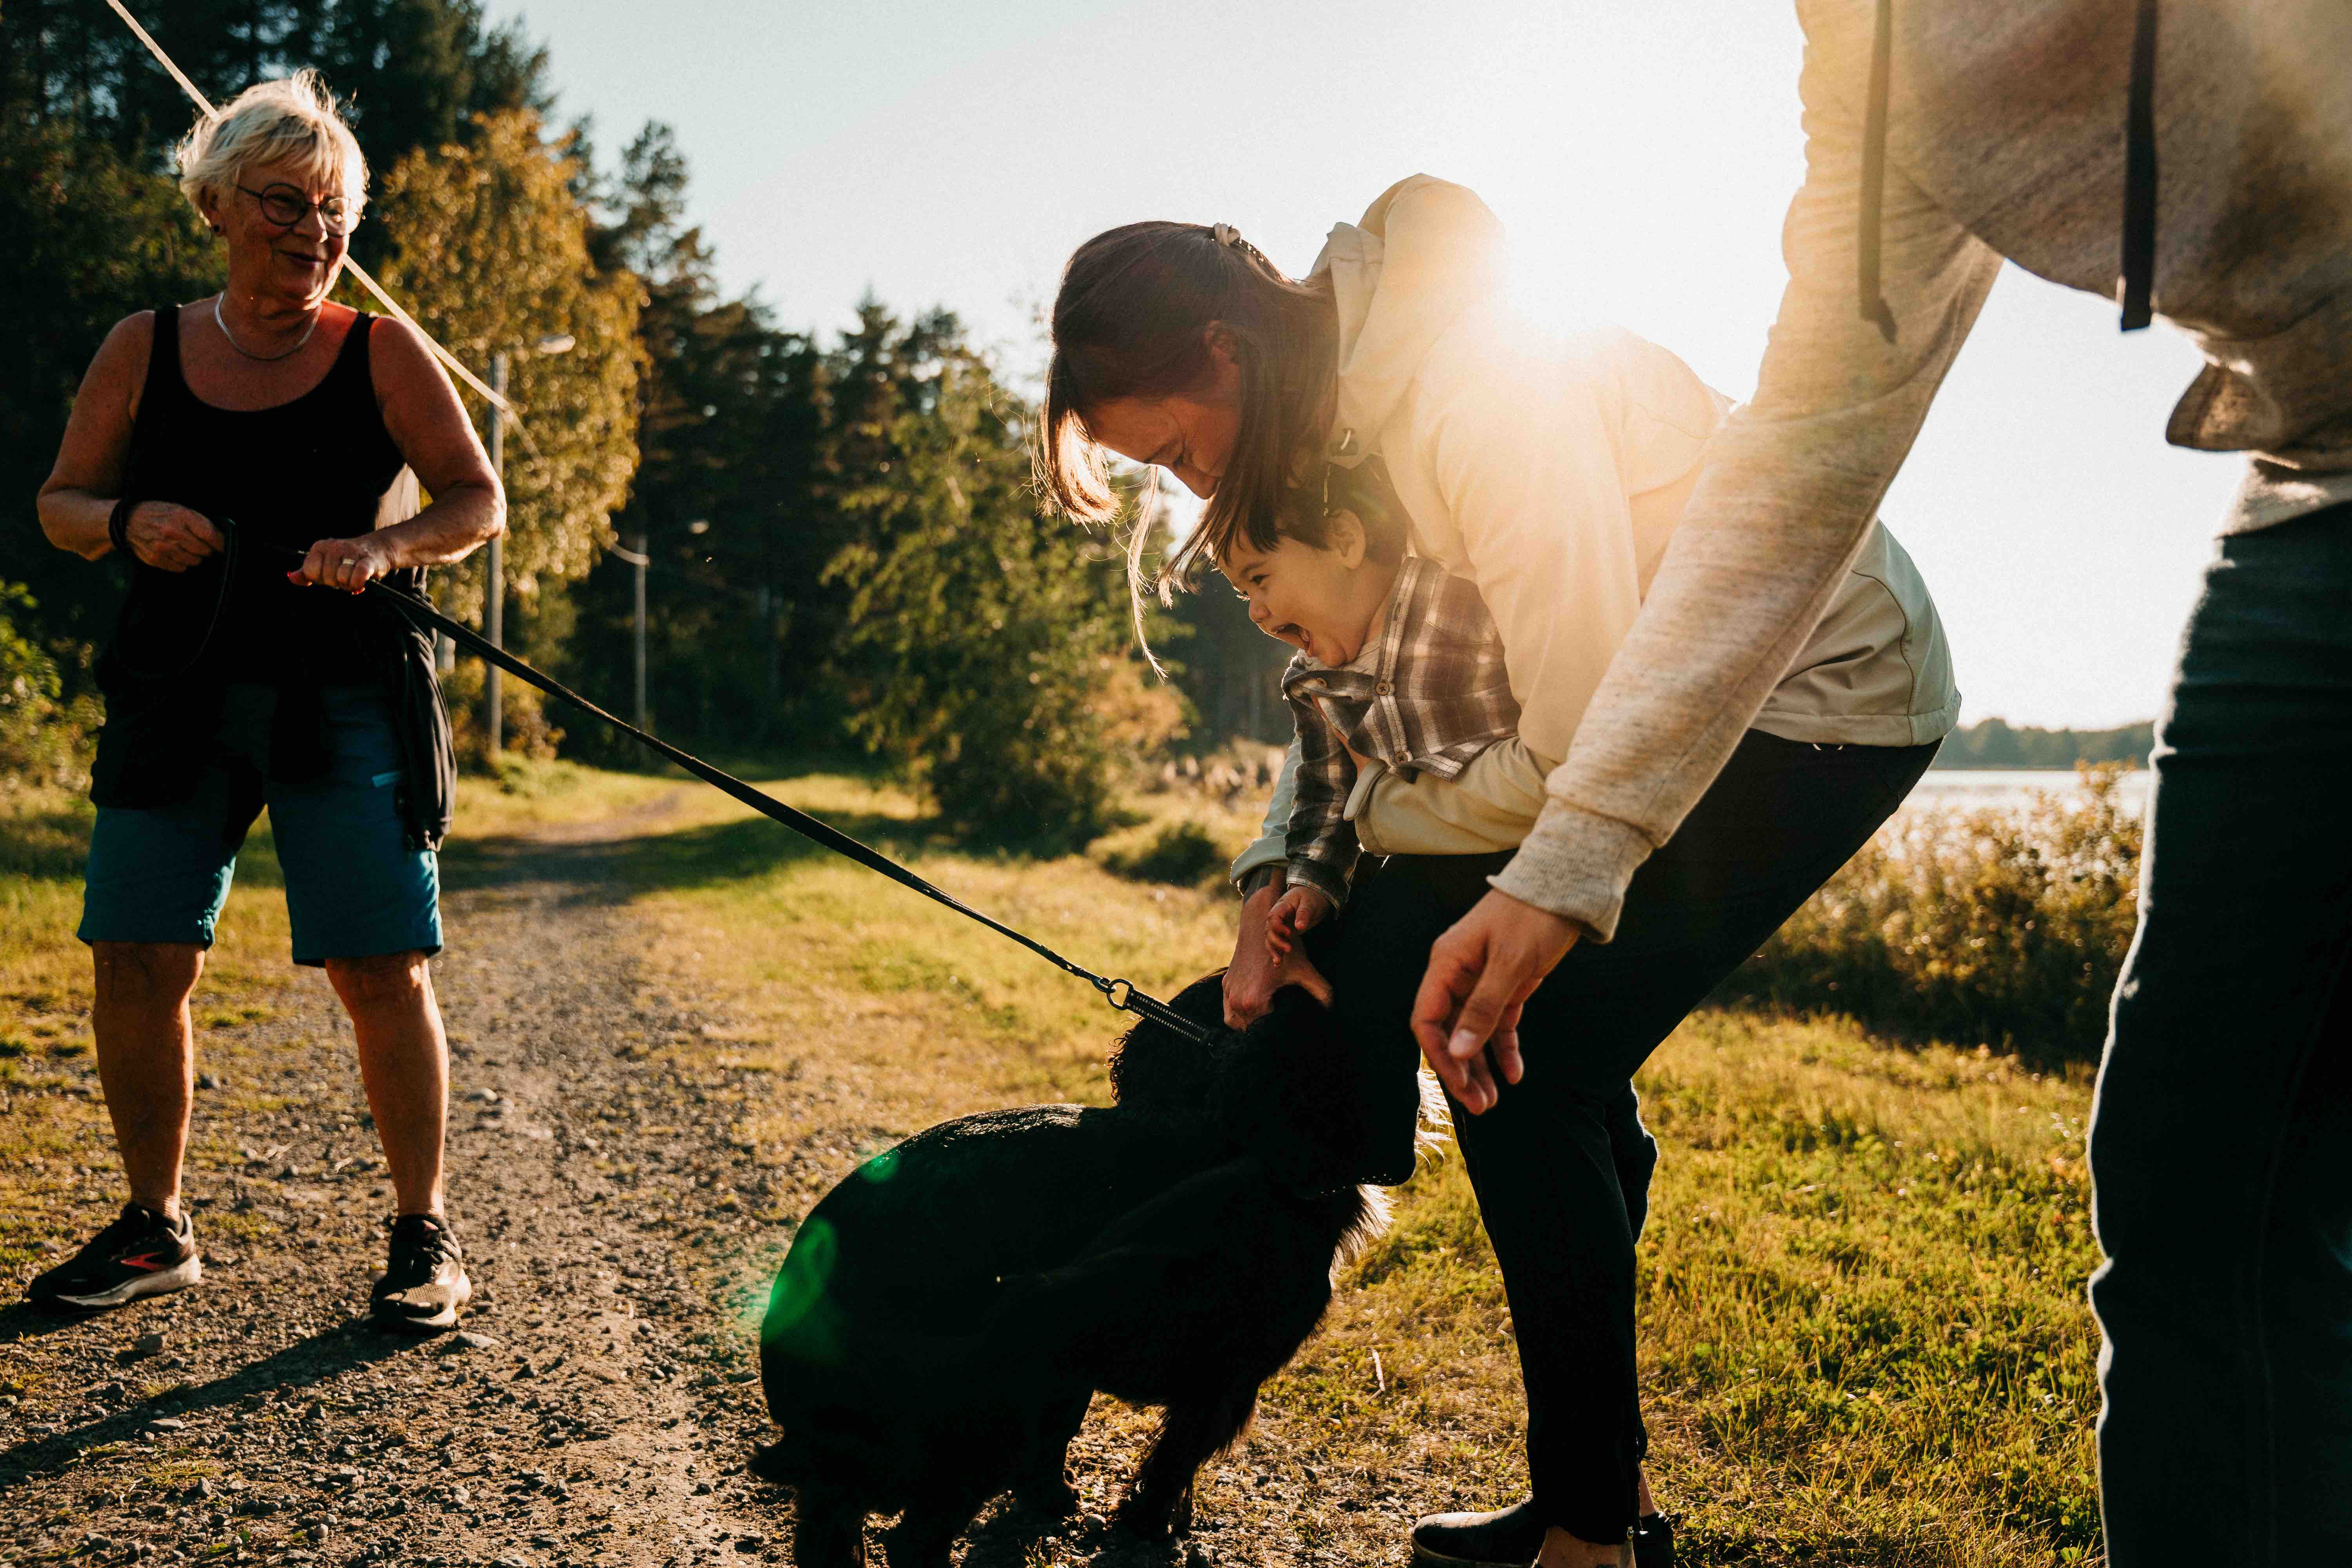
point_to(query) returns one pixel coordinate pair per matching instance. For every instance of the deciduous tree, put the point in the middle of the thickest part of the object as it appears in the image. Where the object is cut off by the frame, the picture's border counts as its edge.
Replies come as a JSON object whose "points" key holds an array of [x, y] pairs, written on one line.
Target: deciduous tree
{"points": [[488, 251]]}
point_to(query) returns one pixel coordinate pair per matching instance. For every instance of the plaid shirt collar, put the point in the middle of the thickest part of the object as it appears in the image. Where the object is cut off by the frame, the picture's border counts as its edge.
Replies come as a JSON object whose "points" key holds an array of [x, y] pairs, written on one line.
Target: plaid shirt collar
{"points": [[1431, 691]]}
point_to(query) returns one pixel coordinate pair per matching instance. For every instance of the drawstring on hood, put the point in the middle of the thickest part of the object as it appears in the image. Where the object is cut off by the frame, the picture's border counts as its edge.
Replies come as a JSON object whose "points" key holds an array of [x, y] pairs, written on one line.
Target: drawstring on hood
{"points": [[2136, 285], [1872, 293], [2135, 288]]}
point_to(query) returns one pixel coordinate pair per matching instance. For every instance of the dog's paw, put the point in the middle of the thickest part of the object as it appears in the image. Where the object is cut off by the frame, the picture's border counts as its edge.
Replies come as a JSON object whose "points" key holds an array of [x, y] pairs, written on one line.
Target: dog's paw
{"points": [[1056, 1499], [904, 1548], [1145, 1521]]}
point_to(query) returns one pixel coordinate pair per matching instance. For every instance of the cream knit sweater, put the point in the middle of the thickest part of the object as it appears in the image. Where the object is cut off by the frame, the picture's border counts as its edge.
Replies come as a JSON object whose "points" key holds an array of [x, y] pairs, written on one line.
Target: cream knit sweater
{"points": [[2006, 140]]}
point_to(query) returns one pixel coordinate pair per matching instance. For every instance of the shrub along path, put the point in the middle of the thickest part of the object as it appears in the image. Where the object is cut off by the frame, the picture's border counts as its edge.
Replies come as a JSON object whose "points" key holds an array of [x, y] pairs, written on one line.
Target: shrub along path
{"points": [[1863, 1333]]}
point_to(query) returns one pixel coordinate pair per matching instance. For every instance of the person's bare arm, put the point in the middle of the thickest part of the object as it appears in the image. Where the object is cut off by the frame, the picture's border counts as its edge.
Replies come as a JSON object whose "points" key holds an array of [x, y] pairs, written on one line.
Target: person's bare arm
{"points": [[1255, 974], [1789, 491], [77, 502], [427, 422]]}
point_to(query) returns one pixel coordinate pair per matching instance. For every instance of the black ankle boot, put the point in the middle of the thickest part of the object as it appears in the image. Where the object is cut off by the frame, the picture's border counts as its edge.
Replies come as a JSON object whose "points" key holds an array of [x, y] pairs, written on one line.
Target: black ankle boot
{"points": [[1507, 1538], [1510, 1538]]}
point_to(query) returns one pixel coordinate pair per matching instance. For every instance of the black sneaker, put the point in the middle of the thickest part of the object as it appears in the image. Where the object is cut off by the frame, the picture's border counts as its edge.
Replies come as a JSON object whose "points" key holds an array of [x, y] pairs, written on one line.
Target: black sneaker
{"points": [[1654, 1541], [424, 1286], [1510, 1538], [141, 1254]]}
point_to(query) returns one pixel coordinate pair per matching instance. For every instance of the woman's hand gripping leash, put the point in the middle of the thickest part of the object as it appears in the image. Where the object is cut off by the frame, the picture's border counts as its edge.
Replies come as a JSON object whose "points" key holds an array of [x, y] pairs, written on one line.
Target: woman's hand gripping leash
{"points": [[1481, 973], [350, 564]]}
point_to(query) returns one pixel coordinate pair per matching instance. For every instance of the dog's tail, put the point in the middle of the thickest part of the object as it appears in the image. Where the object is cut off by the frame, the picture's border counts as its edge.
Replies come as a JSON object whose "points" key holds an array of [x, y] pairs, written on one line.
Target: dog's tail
{"points": [[1433, 1134], [1370, 1223]]}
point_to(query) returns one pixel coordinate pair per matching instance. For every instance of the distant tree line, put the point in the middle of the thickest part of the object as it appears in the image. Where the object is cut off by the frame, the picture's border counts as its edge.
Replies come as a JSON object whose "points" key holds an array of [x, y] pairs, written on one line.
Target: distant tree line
{"points": [[1996, 743], [843, 546]]}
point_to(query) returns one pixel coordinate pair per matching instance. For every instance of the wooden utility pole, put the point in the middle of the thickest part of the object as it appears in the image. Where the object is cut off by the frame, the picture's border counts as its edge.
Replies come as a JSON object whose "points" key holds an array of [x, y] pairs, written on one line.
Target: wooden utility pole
{"points": [[640, 562]]}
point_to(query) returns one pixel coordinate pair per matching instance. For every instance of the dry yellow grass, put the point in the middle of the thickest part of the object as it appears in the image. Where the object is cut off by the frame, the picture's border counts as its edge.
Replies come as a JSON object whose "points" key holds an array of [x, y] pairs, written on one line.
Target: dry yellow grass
{"points": [[1865, 1333], [1865, 1339]]}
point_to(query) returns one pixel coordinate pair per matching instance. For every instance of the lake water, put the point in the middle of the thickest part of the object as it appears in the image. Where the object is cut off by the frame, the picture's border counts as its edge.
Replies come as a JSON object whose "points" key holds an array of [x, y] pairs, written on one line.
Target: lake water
{"points": [[1969, 788]]}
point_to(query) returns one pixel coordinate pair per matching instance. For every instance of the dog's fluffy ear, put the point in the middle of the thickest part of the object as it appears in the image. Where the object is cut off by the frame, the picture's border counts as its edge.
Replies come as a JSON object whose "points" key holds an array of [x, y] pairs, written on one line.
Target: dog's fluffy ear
{"points": [[1154, 1069]]}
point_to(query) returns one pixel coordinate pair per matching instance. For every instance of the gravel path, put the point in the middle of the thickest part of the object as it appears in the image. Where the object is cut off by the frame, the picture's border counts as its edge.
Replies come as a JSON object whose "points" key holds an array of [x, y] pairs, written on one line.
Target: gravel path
{"points": [[602, 1400]]}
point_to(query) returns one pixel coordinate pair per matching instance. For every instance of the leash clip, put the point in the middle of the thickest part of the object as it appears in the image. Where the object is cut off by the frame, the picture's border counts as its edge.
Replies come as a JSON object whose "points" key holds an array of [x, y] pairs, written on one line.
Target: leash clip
{"points": [[1123, 995]]}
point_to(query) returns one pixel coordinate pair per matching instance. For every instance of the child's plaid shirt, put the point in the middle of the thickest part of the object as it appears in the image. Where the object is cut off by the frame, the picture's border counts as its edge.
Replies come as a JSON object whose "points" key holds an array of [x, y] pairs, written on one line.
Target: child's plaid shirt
{"points": [[1426, 695]]}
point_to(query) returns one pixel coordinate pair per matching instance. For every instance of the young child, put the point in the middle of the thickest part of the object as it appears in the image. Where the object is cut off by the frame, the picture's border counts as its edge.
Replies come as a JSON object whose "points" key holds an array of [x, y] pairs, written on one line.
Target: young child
{"points": [[1399, 664]]}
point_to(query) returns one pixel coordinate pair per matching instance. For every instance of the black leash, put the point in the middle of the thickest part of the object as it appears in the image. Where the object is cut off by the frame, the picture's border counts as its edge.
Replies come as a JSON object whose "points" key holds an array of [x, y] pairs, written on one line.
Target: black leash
{"points": [[1121, 993], [227, 527]]}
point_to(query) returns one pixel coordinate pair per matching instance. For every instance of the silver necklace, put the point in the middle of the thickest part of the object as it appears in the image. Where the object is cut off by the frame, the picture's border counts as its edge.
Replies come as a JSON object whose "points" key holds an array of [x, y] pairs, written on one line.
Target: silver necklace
{"points": [[264, 359]]}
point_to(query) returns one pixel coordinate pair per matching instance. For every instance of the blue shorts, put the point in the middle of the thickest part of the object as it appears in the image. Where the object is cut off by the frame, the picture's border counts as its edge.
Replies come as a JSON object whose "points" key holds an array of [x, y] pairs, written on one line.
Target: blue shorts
{"points": [[354, 887]]}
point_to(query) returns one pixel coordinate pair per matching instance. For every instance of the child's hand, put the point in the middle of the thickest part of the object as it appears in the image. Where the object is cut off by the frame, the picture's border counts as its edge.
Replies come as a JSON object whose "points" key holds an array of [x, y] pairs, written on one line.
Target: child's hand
{"points": [[1297, 911]]}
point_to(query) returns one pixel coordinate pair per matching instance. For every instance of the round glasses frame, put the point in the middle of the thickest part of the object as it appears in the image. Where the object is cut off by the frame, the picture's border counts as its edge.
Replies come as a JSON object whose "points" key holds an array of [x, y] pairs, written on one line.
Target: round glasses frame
{"points": [[284, 206]]}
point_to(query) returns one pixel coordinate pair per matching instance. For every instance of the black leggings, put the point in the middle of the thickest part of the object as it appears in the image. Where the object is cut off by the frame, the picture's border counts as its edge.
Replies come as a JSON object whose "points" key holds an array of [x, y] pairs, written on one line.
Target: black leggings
{"points": [[1562, 1164]]}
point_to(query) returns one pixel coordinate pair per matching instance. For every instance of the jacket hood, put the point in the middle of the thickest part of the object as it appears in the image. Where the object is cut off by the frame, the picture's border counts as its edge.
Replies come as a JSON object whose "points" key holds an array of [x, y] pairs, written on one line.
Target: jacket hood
{"points": [[1423, 254]]}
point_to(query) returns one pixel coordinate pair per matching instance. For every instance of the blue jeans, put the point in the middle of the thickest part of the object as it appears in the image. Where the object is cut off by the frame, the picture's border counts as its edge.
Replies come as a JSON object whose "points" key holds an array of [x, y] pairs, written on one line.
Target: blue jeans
{"points": [[2222, 1141]]}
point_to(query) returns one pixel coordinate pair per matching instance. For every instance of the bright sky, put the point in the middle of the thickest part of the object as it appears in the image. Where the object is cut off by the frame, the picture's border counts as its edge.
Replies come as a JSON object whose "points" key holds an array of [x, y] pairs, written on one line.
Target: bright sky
{"points": [[955, 151]]}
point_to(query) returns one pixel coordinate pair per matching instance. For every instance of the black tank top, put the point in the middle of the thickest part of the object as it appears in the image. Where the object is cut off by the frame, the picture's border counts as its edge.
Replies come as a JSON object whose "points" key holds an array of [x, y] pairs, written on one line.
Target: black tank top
{"points": [[319, 466]]}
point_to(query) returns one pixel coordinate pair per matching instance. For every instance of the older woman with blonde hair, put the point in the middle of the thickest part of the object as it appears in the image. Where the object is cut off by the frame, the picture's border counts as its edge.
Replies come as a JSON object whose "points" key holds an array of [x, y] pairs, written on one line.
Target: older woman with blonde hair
{"points": [[212, 448]]}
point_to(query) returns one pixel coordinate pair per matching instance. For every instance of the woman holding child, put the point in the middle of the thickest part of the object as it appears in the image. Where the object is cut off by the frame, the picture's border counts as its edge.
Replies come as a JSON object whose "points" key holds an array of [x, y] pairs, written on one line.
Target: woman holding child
{"points": [[1455, 518]]}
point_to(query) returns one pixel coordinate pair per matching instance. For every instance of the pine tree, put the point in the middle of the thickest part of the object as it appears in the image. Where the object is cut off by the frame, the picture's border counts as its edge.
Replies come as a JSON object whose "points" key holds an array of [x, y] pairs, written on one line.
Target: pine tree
{"points": [[730, 413], [986, 648]]}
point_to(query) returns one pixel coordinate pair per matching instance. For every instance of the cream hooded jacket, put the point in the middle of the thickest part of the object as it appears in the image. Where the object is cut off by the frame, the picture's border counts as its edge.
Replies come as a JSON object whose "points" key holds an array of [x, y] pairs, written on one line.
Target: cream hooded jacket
{"points": [[1517, 456]]}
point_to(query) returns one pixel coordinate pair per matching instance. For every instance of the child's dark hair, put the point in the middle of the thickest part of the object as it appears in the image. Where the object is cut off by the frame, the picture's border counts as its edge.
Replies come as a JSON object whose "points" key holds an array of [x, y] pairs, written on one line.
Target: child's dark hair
{"points": [[1305, 512], [1132, 320]]}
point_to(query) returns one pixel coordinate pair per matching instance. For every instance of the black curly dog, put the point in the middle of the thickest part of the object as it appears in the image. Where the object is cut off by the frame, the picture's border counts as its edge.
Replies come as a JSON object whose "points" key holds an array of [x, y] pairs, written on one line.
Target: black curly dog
{"points": [[947, 1312]]}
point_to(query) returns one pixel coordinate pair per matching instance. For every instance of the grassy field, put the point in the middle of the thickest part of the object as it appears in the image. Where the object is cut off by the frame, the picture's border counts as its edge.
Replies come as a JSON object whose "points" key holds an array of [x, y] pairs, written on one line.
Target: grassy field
{"points": [[1865, 1336]]}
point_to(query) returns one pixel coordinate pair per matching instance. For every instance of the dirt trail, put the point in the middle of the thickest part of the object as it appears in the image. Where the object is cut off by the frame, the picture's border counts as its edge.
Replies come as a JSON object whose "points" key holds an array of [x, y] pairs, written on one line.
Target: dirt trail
{"points": [[601, 1404]]}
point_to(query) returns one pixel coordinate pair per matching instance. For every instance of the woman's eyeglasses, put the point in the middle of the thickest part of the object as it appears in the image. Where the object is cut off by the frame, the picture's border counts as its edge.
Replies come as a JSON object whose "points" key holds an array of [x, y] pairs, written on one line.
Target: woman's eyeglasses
{"points": [[283, 207]]}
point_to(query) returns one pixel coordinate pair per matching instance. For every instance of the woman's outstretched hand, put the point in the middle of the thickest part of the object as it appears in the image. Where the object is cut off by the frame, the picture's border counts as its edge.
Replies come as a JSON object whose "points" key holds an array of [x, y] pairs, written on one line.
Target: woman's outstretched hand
{"points": [[1255, 974], [1481, 973]]}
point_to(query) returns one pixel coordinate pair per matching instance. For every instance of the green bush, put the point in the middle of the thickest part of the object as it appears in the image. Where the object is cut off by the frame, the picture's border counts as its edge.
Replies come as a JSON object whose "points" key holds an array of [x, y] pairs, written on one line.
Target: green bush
{"points": [[526, 727], [1185, 853], [2005, 928], [44, 738]]}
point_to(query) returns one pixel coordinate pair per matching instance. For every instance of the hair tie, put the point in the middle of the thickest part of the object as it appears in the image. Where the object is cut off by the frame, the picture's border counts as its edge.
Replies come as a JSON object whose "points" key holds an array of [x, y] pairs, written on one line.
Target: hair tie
{"points": [[1225, 234]]}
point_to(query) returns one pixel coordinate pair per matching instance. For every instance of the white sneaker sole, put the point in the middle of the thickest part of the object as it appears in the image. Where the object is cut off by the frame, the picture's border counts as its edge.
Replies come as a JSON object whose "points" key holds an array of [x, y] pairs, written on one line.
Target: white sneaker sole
{"points": [[162, 1282], [446, 1318], [1426, 1558]]}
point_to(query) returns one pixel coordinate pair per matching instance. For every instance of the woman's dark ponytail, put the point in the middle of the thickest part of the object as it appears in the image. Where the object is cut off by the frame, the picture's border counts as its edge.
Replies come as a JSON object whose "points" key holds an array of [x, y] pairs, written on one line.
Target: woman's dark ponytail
{"points": [[1132, 320]]}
